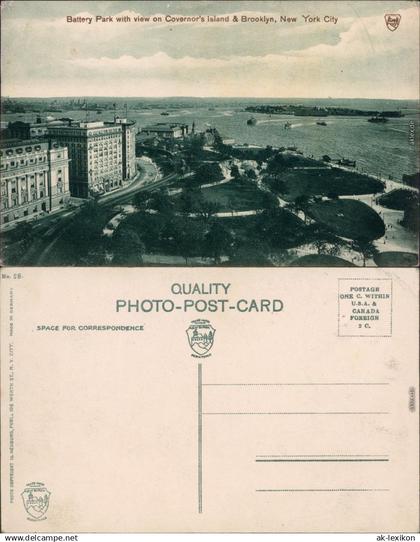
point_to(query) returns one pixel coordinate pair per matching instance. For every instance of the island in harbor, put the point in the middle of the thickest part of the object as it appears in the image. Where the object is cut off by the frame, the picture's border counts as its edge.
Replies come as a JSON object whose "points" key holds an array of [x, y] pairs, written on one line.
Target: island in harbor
{"points": [[299, 110]]}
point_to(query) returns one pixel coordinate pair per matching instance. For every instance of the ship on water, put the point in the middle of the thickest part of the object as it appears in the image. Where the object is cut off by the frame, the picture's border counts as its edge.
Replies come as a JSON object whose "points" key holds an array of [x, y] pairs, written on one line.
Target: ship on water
{"points": [[378, 118], [321, 123], [252, 121], [347, 162]]}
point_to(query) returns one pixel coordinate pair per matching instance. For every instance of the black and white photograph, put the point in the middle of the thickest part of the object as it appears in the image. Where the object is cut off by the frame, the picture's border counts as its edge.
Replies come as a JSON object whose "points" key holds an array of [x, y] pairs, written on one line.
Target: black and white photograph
{"points": [[234, 134]]}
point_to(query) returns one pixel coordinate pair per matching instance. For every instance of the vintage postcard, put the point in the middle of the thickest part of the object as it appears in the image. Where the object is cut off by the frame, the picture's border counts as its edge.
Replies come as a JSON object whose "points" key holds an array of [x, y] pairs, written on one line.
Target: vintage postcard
{"points": [[247, 401], [210, 133], [209, 287]]}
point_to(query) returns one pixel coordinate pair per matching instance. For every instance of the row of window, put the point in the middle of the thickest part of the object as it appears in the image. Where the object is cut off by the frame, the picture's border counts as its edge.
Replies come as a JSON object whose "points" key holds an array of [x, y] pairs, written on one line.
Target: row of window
{"points": [[100, 144], [24, 162], [20, 213], [14, 201], [105, 161], [22, 189], [13, 192], [19, 150], [77, 135], [23, 179], [105, 153], [109, 178], [16, 215], [105, 171]]}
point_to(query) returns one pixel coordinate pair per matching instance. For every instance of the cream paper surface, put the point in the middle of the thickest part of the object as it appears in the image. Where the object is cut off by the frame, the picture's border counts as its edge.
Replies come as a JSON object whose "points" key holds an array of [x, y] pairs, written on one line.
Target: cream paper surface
{"points": [[303, 419]]}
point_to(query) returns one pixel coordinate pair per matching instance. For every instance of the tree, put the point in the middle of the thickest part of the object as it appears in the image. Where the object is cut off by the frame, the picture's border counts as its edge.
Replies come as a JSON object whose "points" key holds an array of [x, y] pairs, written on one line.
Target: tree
{"points": [[234, 171], [161, 202], [332, 195], [97, 255], [190, 240], [150, 227], [170, 231], [365, 248], [334, 249], [251, 174], [208, 209], [280, 228], [23, 233], [128, 248], [17, 243], [277, 163], [301, 204], [140, 200], [275, 184], [251, 253], [266, 153], [218, 241], [269, 201], [208, 172], [411, 216], [323, 239], [179, 165], [193, 147], [190, 200], [84, 236]]}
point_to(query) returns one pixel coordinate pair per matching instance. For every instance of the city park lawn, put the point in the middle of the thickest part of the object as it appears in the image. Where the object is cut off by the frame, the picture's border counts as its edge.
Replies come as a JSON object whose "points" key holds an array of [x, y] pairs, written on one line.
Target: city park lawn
{"points": [[348, 218], [234, 196], [321, 260], [268, 231], [292, 183], [396, 259], [399, 199]]}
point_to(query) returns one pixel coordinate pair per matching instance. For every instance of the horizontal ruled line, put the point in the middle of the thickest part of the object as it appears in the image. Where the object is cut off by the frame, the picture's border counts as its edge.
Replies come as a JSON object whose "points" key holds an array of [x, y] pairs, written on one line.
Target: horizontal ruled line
{"points": [[319, 490], [297, 384], [314, 460], [324, 455], [286, 413]]}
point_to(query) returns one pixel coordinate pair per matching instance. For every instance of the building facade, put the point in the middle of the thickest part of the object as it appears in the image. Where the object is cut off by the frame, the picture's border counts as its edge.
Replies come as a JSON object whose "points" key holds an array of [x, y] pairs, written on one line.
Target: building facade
{"points": [[129, 168], [27, 130], [34, 178], [96, 153], [30, 130], [166, 131]]}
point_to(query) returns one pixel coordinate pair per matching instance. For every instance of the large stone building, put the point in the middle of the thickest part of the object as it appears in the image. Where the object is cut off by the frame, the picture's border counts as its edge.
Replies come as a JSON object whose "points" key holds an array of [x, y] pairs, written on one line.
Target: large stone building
{"points": [[29, 130], [102, 154], [129, 167], [34, 178], [166, 131], [96, 156]]}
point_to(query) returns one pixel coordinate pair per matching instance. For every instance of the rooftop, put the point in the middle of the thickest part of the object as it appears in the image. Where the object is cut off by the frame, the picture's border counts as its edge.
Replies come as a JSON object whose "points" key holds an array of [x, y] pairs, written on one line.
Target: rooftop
{"points": [[119, 120], [163, 127], [13, 142], [89, 125]]}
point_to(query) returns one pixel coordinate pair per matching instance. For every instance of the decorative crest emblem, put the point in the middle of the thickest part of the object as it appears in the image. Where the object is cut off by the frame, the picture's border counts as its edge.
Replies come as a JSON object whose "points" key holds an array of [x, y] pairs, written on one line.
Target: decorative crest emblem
{"points": [[201, 337], [36, 499], [392, 21]]}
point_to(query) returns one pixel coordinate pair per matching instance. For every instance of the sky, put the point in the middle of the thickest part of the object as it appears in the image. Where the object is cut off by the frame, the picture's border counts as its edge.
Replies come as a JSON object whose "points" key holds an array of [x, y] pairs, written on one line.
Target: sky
{"points": [[348, 53]]}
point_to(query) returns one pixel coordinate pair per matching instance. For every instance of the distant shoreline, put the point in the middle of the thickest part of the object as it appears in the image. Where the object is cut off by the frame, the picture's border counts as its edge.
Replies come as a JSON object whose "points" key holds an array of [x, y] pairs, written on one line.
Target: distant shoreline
{"points": [[201, 98]]}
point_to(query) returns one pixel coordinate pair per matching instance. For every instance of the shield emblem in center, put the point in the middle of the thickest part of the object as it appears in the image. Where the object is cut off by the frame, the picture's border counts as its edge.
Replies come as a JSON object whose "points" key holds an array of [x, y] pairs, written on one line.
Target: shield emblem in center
{"points": [[201, 336]]}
